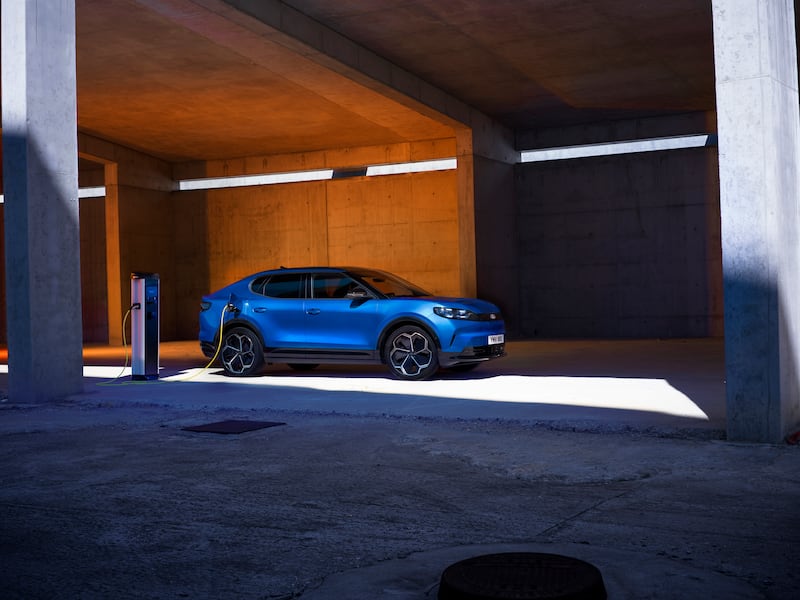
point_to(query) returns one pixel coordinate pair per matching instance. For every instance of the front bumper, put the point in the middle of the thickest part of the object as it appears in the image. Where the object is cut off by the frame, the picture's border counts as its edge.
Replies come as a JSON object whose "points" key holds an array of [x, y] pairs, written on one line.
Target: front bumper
{"points": [[472, 354]]}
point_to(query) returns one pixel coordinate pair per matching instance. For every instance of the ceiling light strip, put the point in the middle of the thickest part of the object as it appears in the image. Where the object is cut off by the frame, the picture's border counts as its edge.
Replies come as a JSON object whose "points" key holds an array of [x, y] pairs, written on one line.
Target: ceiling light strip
{"points": [[88, 192], [444, 164], [248, 180], [319, 175], [613, 148], [92, 192]]}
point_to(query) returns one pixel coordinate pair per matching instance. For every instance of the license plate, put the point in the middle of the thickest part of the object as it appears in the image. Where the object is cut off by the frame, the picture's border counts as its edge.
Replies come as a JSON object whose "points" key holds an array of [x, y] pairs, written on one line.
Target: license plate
{"points": [[497, 339]]}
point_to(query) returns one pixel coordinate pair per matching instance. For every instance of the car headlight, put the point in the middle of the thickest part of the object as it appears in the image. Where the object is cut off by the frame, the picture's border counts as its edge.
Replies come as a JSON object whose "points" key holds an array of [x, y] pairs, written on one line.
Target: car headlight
{"points": [[455, 313]]}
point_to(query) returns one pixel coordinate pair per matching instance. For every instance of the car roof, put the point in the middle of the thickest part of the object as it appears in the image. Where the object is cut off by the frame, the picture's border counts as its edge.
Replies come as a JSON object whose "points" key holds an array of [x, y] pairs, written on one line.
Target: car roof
{"points": [[312, 270]]}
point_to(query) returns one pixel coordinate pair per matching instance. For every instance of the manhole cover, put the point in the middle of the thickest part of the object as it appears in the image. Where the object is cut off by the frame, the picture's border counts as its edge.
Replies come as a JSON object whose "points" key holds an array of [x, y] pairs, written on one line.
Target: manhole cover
{"points": [[521, 576]]}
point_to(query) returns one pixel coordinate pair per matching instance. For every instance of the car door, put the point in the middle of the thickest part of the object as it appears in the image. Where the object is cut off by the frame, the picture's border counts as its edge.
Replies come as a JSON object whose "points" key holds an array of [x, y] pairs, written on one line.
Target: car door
{"points": [[277, 310], [340, 314]]}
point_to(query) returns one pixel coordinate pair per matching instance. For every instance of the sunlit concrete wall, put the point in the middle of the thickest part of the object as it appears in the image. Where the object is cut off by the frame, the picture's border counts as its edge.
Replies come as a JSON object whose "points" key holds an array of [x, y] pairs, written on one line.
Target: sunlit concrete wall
{"points": [[402, 223], [129, 230], [199, 241], [146, 245], [621, 246]]}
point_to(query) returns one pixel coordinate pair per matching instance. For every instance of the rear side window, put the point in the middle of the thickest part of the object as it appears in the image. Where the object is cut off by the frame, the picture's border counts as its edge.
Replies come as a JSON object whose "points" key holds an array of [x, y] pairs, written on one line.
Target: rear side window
{"points": [[281, 286]]}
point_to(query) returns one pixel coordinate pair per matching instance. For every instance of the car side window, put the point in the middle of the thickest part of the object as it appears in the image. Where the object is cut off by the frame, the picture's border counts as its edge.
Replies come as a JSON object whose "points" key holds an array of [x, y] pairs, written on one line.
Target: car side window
{"points": [[332, 285], [283, 286]]}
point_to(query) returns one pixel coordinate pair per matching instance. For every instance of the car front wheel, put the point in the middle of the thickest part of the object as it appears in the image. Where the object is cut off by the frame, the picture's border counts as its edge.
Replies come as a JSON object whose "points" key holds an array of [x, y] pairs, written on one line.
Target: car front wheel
{"points": [[241, 352], [411, 353]]}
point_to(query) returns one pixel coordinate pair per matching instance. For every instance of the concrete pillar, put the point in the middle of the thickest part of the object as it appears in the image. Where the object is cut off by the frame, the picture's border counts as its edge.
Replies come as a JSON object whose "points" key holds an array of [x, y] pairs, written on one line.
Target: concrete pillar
{"points": [[40, 176], [487, 227], [759, 150], [113, 271]]}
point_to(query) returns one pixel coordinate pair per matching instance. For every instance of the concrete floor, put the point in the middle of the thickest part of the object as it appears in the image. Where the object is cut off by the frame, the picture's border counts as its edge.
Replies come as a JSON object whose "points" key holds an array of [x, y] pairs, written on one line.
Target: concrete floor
{"points": [[674, 384], [611, 452]]}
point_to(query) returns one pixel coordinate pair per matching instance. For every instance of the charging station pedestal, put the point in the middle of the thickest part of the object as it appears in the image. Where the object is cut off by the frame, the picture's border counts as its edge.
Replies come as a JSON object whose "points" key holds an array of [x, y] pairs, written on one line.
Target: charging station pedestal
{"points": [[145, 330]]}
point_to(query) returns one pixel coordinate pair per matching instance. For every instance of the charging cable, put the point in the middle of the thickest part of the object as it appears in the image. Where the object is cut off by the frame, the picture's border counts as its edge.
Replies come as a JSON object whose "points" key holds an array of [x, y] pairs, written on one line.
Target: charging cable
{"points": [[228, 308], [136, 305]]}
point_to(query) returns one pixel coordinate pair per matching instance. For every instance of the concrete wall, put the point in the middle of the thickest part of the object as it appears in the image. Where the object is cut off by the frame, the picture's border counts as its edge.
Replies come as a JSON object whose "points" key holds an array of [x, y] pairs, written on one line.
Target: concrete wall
{"points": [[496, 238], [146, 245], [94, 301], [93, 260], [202, 240], [620, 246], [406, 224], [131, 229]]}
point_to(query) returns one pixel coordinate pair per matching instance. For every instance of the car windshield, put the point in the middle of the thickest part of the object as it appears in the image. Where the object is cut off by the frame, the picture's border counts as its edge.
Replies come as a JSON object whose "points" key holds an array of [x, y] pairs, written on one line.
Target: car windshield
{"points": [[389, 285]]}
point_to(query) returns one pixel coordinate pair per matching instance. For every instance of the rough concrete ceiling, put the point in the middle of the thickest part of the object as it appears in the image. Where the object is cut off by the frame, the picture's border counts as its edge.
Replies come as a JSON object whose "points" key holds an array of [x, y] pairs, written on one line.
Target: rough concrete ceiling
{"points": [[538, 63], [194, 79], [181, 81]]}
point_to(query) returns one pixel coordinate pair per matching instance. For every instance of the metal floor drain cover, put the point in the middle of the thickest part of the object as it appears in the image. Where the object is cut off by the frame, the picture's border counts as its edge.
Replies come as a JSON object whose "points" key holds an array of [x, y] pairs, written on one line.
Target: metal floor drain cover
{"points": [[522, 576]]}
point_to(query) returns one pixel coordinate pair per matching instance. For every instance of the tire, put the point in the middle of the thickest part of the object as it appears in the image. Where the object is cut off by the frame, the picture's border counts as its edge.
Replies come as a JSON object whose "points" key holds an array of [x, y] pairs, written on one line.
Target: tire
{"points": [[241, 352], [303, 366], [411, 353]]}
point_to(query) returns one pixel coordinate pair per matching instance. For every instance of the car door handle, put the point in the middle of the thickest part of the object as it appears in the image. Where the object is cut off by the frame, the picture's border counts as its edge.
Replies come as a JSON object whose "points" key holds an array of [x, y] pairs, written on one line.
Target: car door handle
{"points": [[259, 309], [313, 311]]}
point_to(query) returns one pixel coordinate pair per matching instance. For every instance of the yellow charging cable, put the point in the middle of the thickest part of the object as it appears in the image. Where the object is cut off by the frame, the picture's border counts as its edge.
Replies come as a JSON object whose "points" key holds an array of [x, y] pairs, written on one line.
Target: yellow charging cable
{"points": [[127, 354], [219, 347]]}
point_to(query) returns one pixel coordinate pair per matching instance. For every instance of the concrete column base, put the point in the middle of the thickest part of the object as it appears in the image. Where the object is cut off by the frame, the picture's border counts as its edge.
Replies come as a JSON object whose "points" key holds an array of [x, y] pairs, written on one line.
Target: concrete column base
{"points": [[759, 151]]}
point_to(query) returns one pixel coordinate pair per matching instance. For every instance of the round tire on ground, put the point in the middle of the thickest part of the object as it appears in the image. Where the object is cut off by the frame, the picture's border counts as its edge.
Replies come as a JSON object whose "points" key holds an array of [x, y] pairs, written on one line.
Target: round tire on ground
{"points": [[241, 352], [411, 353]]}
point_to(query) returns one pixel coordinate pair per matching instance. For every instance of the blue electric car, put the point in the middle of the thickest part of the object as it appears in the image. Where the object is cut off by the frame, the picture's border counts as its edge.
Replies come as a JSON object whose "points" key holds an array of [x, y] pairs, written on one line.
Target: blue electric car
{"points": [[310, 316]]}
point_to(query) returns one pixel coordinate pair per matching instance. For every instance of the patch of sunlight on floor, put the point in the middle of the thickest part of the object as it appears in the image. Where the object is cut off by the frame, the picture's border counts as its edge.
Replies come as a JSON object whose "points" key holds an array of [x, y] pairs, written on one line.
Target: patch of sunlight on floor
{"points": [[649, 395]]}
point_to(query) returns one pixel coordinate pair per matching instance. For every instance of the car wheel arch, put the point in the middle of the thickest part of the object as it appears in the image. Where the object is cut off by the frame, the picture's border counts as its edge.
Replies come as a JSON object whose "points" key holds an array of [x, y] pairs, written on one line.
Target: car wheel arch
{"points": [[240, 323], [395, 325]]}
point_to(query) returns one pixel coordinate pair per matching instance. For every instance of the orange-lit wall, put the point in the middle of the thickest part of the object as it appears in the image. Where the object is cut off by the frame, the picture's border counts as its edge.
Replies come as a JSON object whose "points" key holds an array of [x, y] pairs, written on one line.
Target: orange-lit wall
{"points": [[407, 224]]}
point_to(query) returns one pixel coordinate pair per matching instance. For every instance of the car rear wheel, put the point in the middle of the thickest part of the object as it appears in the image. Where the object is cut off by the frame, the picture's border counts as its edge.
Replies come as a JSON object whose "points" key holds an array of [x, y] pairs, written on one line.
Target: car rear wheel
{"points": [[411, 353], [241, 352]]}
